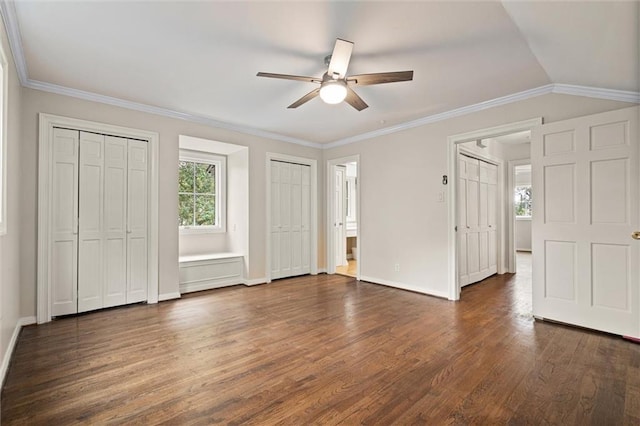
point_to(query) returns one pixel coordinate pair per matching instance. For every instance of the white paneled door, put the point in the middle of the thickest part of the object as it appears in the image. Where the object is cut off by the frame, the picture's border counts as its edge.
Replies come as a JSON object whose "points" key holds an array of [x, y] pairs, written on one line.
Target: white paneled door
{"points": [[99, 221], [477, 219], [586, 262], [339, 224], [290, 219]]}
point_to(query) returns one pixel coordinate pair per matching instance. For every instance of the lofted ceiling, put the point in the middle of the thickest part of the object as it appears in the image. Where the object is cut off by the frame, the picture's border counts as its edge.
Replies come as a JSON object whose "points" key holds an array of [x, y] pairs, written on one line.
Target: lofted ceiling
{"points": [[199, 59]]}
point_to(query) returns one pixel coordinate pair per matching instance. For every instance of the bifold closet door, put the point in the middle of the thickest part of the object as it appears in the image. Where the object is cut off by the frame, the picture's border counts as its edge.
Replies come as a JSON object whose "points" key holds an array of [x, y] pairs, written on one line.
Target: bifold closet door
{"points": [[477, 230], [137, 217], [63, 200], [99, 221], [290, 219]]}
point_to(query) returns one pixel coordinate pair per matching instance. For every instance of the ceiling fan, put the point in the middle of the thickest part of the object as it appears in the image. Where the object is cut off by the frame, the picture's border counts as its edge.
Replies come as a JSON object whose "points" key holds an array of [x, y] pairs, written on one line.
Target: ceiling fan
{"points": [[335, 84]]}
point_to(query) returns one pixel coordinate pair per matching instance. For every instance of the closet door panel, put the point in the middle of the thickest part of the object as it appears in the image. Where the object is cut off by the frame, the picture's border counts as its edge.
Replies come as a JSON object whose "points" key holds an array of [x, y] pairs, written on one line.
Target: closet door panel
{"points": [[285, 219], [137, 165], [306, 219], [63, 222], [90, 222], [296, 219], [115, 198], [275, 219]]}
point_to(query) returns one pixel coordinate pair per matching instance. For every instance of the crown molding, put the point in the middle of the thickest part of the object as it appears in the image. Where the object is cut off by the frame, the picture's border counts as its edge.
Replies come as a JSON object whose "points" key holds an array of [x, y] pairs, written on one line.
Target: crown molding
{"points": [[166, 112], [597, 92], [515, 97], [7, 9]]}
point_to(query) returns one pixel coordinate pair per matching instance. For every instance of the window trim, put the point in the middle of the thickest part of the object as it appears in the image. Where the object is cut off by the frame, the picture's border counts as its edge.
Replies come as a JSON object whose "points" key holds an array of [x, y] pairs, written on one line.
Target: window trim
{"points": [[4, 84], [220, 162]]}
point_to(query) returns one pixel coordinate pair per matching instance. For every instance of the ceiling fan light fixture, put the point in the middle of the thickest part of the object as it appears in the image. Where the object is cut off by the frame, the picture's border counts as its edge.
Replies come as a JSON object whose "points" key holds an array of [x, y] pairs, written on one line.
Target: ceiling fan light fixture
{"points": [[333, 92]]}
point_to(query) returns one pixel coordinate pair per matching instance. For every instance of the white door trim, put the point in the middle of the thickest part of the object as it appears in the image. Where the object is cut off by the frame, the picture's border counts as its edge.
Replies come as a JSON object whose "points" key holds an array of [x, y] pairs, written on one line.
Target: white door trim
{"points": [[452, 142], [511, 243], [47, 122], [330, 246], [313, 208]]}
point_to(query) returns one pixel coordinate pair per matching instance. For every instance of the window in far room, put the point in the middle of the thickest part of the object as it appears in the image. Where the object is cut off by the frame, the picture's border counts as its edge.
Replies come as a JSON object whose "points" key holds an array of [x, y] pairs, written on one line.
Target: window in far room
{"points": [[201, 192], [523, 194]]}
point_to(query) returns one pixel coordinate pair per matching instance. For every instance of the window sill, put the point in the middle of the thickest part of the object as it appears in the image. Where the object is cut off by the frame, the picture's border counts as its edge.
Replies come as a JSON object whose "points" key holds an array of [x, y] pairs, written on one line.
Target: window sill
{"points": [[196, 231], [525, 218]]}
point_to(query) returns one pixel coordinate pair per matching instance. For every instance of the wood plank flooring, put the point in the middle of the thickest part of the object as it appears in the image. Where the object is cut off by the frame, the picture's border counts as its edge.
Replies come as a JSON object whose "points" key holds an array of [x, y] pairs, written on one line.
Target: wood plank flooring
{"points": [[322, 350]]}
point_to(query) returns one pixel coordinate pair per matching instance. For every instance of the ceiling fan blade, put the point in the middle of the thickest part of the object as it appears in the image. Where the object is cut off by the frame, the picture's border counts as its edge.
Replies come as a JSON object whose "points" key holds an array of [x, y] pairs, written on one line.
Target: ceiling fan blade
{"points": [[340, 58], [290, 77], [380, 78], [354, 100], [306, 98]]}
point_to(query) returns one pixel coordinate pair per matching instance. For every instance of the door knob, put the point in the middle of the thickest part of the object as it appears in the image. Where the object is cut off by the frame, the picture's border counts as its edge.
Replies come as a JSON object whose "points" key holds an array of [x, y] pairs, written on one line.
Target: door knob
{"points": [[635, 235]]}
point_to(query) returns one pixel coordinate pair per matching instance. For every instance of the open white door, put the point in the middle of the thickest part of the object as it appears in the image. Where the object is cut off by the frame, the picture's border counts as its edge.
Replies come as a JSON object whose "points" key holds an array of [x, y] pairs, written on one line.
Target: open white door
{"points": [[585, 262], [339, 227]]}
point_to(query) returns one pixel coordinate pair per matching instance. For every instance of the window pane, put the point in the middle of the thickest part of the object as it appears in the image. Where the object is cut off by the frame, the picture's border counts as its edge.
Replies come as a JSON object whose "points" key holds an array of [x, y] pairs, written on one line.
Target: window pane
{"points": [[185, 210], [205, 178], [523, 201], [185, 176], [205, 210]]}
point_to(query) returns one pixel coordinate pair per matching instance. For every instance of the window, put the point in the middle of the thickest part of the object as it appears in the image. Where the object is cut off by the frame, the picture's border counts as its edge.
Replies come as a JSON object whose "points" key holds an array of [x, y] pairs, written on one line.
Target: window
{"points": [[201, 192], [523, 201]]}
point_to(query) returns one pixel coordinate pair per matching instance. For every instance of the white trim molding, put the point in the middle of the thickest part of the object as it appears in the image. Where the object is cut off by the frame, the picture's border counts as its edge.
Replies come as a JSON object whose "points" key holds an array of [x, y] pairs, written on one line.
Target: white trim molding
{"points": [[254, 281], [8, 354], [403, 286], [314, 208], [45, 138], [452, 142], [169, 296]]}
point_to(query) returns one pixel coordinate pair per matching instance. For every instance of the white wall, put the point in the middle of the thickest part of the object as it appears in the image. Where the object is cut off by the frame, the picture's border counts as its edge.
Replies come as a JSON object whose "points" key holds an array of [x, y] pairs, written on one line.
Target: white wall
{"points": [[10, 243], [523, 234], [35, 101], [238, 205], [400, 177]]}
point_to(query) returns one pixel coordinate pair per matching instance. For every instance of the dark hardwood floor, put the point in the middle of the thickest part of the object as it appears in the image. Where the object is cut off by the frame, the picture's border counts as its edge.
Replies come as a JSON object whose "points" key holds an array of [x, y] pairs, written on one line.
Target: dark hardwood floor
{"points": [[323, 350]]}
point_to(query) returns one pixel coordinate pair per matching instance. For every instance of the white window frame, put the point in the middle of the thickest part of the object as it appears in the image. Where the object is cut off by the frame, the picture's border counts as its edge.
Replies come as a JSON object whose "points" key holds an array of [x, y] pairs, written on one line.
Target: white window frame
{"points": [[3, 141], [220, 163]]}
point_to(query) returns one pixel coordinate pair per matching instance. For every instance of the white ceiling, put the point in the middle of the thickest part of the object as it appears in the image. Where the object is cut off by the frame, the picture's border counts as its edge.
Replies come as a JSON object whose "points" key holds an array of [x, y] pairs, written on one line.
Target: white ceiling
{"points": [[201, 58]]}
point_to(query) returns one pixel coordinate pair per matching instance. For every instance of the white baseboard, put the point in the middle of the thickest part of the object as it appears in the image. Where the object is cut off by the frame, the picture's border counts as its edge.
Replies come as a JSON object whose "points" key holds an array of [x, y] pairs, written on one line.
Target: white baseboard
{"points": [[404, 286], [12, 344], [254, 281], [168, 296], [322, 271]]}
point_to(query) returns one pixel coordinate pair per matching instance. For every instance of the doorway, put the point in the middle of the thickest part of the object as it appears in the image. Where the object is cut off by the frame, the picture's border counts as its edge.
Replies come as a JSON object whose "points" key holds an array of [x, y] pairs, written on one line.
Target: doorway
{"points": [[495, 146], [343, 217]]}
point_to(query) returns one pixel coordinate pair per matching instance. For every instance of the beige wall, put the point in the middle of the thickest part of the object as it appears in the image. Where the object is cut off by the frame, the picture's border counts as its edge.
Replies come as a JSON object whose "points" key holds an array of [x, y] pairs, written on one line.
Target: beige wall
{"points": [[401, 176], [169, 129], [10, 250]]}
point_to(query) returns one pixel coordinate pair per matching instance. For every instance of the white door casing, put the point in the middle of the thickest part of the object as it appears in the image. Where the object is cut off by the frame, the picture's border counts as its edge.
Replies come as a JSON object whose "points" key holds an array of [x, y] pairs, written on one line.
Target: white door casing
{"points": [[339, 230], [585, 263]]}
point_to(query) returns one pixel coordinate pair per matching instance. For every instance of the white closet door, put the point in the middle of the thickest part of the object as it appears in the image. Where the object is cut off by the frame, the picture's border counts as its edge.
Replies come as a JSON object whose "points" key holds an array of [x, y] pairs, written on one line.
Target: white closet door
{"points": [[64, 207], [306, 220], [90, 222], [115, 221], [477, 230], [275, 219], [296, 219], [290, 219], [137, 165]]}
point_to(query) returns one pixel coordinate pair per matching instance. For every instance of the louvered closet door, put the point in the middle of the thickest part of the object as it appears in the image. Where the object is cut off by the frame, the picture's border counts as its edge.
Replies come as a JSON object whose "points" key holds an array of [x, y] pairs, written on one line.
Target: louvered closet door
{"points": [[63, 225]]}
